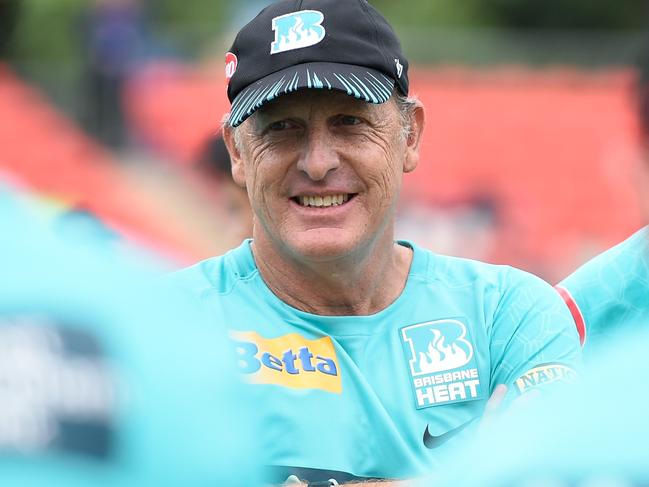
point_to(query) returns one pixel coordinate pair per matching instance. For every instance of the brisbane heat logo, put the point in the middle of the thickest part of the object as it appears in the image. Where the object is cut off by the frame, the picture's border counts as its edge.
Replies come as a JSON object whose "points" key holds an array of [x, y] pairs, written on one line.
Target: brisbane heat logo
{"points": [[437, 346], [297, 30], [440, 362]]}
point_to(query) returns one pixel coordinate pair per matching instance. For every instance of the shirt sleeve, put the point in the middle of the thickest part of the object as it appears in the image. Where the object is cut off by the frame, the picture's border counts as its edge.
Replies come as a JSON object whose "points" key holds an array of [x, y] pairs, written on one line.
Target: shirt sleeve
{"points": [[534, 343]]}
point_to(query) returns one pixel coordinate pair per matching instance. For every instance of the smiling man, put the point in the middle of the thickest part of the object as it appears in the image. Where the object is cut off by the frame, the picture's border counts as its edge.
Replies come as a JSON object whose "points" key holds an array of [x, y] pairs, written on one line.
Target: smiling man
{"points": [[366, 353]]}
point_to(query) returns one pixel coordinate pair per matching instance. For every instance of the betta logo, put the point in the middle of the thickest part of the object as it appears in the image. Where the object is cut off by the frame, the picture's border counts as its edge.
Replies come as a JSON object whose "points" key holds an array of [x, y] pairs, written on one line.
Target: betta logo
{"points": [[288, 360], [297, 30], [440, 362]]}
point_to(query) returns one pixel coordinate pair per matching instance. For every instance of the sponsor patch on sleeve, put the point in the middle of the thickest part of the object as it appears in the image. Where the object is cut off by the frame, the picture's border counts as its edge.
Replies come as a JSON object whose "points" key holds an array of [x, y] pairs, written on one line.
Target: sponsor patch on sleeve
{"points": [[545, 374]]}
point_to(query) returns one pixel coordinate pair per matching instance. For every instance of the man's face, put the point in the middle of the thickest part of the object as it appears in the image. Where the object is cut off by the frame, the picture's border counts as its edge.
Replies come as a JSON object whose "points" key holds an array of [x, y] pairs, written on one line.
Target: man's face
{"points": [[323, 171]]}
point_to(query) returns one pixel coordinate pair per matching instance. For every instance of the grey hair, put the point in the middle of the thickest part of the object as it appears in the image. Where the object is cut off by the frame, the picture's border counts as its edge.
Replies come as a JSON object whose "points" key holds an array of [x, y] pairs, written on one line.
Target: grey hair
{"points": [[236, 132], [405, 104]]}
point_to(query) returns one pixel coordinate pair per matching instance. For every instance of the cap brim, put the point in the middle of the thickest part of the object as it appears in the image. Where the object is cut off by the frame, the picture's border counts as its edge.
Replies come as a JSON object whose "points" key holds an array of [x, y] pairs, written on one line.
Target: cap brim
{"points": [[360, 82]]}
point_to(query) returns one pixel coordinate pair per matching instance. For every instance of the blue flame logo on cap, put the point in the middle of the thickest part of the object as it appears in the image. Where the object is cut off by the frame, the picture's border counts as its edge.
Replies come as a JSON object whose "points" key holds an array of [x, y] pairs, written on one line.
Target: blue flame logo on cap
{"points": [[297, 30]]}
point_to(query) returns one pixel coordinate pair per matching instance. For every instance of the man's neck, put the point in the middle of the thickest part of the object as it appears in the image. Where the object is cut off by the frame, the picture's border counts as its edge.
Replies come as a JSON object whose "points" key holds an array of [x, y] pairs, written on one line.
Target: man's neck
{"points": [[360, 284]]}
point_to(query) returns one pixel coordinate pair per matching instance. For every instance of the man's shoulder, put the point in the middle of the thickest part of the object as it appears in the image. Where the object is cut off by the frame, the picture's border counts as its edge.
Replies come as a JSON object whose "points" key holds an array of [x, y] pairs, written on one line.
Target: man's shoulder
{"points": [[217, 274], [461, 271], [622, 258], [510, 301], [606, 276], [609, 291]]}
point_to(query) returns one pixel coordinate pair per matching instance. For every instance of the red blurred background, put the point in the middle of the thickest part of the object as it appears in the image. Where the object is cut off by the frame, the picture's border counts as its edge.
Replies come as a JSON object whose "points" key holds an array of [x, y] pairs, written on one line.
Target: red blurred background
{"points": [[523, 166]]}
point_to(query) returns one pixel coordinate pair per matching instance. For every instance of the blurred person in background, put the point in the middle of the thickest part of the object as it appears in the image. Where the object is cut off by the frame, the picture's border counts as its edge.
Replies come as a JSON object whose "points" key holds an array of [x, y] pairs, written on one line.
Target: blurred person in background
{"points": [[366, 355], [468, 227], [609, 295], [113, 39], [9, 10], [215, 172]]}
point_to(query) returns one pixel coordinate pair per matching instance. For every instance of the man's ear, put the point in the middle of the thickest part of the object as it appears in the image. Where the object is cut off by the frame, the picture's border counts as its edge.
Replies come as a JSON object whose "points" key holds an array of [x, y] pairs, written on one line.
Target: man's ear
{"points": [[238, 170], [413, 140]]}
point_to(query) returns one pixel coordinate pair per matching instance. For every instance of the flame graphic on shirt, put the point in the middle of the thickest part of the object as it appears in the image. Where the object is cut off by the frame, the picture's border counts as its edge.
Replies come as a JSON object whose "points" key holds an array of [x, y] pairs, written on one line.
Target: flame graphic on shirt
{"points": [[442, 356]]}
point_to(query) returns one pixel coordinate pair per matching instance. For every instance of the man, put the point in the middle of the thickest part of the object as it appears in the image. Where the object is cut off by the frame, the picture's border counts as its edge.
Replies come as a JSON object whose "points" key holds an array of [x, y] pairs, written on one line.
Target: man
{"points": [[366, 354], [609, 295]]}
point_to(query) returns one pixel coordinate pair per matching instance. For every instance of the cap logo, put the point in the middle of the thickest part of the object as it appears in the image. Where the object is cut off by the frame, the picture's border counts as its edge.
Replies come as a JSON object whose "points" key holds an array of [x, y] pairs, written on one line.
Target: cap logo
{"points": [[230, 65], [399, 67], [297, 30]]}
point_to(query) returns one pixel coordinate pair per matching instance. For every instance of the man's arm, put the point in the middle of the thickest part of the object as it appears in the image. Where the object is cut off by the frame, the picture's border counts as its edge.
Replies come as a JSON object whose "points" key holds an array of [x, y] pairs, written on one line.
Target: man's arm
{"points": [[372, 483], [534, 345], [492, 409]]}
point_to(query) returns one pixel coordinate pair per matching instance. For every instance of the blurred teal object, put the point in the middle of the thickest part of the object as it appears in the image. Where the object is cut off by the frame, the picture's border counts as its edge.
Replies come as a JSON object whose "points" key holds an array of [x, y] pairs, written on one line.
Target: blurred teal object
{"points": [[609, 295], [594, 435], [108, 376]]}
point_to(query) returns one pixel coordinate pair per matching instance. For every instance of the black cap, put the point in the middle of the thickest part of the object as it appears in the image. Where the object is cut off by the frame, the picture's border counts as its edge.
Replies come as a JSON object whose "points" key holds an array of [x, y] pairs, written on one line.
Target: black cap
{"points": [[343, 45]]}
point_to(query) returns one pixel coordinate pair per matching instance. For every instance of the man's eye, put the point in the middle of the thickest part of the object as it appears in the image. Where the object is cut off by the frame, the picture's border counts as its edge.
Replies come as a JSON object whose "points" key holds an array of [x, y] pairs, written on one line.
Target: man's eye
{"points": [[280, 125], [349, 120]]}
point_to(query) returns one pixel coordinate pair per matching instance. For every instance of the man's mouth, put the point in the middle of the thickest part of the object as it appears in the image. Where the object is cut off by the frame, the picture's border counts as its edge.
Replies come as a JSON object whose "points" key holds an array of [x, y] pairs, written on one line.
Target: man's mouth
{"points": [[325, 201]]}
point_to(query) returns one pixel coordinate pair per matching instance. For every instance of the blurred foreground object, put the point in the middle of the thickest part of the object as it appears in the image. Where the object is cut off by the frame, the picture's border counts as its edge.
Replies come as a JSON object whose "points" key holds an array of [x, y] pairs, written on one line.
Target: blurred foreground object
{"points": [[595, 435], [107, 377], [609, 295]]}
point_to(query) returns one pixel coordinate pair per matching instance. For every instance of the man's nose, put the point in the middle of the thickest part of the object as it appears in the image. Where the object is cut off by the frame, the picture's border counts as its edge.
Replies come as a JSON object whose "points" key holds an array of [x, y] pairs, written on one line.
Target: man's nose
{"points": [[319, 155]]}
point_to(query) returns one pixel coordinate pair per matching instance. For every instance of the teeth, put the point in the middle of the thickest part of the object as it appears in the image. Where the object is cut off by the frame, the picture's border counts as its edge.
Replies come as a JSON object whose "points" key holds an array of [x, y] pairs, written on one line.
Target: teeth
{"points": [[323, 201]]}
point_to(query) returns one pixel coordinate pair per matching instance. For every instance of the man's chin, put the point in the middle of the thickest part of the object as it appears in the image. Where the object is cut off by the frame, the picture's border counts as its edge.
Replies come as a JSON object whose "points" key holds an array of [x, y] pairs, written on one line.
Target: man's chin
{"points": [[324, 245]]}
